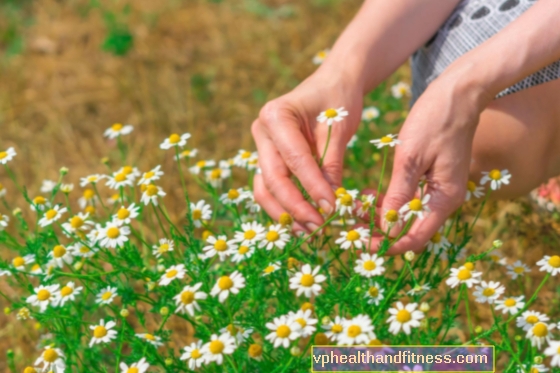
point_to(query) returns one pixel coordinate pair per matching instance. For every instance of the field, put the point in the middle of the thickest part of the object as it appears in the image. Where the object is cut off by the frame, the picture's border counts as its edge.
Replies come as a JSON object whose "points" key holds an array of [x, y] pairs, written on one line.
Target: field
{"points": [[72, 69]]}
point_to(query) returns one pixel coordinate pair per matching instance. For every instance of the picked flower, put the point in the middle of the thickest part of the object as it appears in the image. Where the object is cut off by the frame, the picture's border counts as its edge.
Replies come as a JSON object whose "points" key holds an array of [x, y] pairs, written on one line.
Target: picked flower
{"points": [[387, 140], [332, 115], [496, 178], [321, 56], [417, 206]]}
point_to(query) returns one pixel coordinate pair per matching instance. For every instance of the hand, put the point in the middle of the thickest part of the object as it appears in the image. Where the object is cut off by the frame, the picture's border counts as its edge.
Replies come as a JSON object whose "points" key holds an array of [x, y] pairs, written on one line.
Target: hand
{"points": [[290, 141]]}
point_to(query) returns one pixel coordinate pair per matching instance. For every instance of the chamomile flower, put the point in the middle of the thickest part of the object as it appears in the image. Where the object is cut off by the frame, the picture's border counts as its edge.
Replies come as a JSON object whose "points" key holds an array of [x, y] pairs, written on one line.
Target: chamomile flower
{"points": [[539, 334], [417, 206], [60, 255], [228, 284], [125, 215], [186, 300], [242, 158], [400, 90], [19, 262], [404, 317], [488, 292], [320, 56], [497, 257], [553, 350], [36, 269], [473, 190], [44, 295], [334, 327], [140, 366], [496, 178], [233, 197], [550, 264], [332, 115], [346, 202], [510, 305], [369, 265], [117, 130], [7, 155], [241, 252], [103, 332], [276, 236], [438, 242], [352, 141], [272, 267], [82, 250], [528, 319], [165, 245], [199, 212], [355, 238], [113, 235], [186, 154], [216, 176], [77, 224], [370, 113], [358, 330], [40, 203], [517, 269], [463, 275], [221, 345], [151, 176], [175, 140], [130, 172], [366, 206], [238, 332], [387, 140], [154, 340], [67, 188], [305, 320], [172, 273], [119, 180], [52, 359], [307, 281], [392, 218], [91, 179], [374, 294], [250, 204], [106, 295], [3, 191], [52, 215], [201, 166], [48, 186], [193, 355], [251, 235], [419, 289], [151, 195], [67, 293], [284, 329], [218, 246], [88, 199]]}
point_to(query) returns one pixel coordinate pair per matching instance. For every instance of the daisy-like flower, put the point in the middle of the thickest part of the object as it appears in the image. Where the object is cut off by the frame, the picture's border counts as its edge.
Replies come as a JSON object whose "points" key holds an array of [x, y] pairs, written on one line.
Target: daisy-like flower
{"points": [[52, 359], [528, 319], [417, 206], [117, 130], [488, 292], [284, 329], [216, 176], [437, 242], [307, 281], [392, 218], [78, 223], [199, 212], [40, 203], [497, 257], [187, 154], [334, 327], [370, 113], [151, 176], [239, 333], [3, 191], [496, 178], [113, 235], [550, 264], [91, 179], [242, 158], [352, 141], [8, 155], [125, 214], [404, 317], [140, 366], [251, 235], [44, 295], [165, 245], [151, 195], [332, 115], [130, 172], [66, 188], [88, 199], [154, 340], [221, 345], [60, 256], [81, 250], [250, 203], [19, 262], [48, 186], [387, 140], [374, 295], [320, 56], [473, 190], [357, 330], [241, 252], [553, 350], [419, 289], [202, 165], [187, 299], [367, 204], [400, 90], [369, 265], [463, 275], [119, 180], [539, 334], [67, 293], [272, 267], [355, 238], [276, 236], [106, 295], [346, 201], [36, 269], [228, 284], [193, 355], [305, 320], [233, 197], [102, 333], [510, 305], [52, 215], [175, 140], [517, 269], [218, 246], [172, 273]]}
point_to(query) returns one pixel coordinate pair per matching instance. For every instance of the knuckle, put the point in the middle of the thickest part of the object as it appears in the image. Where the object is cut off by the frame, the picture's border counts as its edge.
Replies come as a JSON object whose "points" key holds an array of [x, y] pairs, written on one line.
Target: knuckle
{"points": [[270, 112], [255, 128], [333, 172], [293, 160]]}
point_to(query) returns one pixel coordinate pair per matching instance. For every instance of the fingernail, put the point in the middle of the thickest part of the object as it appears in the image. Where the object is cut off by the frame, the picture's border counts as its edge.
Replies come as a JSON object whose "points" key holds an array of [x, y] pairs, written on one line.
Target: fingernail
{"points": [[299, 234], [325, 206], [312, 227]]}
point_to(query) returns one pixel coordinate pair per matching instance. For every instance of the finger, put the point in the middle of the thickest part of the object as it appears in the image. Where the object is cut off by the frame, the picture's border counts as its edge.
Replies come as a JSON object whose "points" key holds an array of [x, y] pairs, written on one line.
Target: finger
{"points": [[285, 130], [276, 177], [333, 161]]}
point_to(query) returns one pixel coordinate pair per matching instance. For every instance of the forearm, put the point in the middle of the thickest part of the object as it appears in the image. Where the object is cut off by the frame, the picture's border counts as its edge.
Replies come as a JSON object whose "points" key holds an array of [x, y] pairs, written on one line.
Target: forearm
{"points": [[382, 36]]}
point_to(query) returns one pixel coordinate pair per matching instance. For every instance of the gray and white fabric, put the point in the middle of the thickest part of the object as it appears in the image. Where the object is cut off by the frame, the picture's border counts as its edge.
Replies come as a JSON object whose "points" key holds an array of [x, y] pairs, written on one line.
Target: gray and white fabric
{"points": [[470, 24]]}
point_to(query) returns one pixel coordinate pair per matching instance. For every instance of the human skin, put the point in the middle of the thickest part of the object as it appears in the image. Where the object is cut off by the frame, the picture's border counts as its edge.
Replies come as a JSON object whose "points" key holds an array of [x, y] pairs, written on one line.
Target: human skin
{"points": [[455, 130]]}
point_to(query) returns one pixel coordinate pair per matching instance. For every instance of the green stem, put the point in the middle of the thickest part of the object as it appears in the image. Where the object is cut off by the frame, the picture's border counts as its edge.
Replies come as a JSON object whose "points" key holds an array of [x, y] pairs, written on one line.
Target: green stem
{"points": [[326, 147]]}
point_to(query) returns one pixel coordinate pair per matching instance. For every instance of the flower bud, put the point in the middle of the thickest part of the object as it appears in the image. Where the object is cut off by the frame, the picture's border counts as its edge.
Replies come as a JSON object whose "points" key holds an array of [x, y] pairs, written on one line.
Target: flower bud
{"points": [[326, 320], [358, 289], [518, 338], [169, 361], [478, 329], [23, 314], [124, 313], [164, 311], [37, 326], [321, 339], [409, 255], [424, 307], [376, 157], [160, 268], [29, 370], [497, 244], [63, 171], [78, 265], [424, 324], [105, 161], [16, 211], [538, 360], [151, 285], [308, 306], [7, 310], [66, 188], [295, 351], [285, 219], [255, 351]]}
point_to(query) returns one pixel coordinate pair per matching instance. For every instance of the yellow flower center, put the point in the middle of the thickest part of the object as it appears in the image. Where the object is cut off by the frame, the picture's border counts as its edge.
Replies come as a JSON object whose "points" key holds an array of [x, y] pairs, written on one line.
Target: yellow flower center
{"points": [[132, 370], [99, 331], [35, 267], [84, 249], [201, 164], [225, 283], [403, 316], [369, 265], [66, 291], [488, 292], [120, 177], [29, 370], [196, 214], [59, 251], [216, 174], [174, 139], [250, 234], [152, 190], [18, 261], [352, 235], [307, 280], [220, 245], [272, 236], [307, 306], [392, 216], [3, 155], [471, 186], [76, 222], [436, 238], [113, 232], [43, 295], [340, 192], [51, 214], [331, 113], [255, 350], [50, 355], [346, 200], [172, 273], [283, 331], [510, 302], [163, 248], [149, 175], [519, 270], [354, 331], [375, 342], [127, 170], [269, 269], [243, 250], [216, 346], [336, 328], [554, 261], [117, 127], [123, 213], [39, 200], [322, 54], [106, 295], [415, 205], [532, 319], [92, 178], [149, 337], [195, 354], [245, 155], [386, 139], [285, 219], [540, 330], [302, 322], [495, 175], [233, 194], [469, 266], [90, 210], [373, 291], [464, 274], [89, 194], [187, 297]]}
